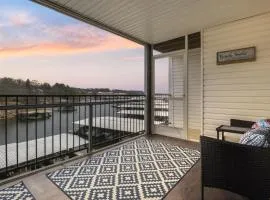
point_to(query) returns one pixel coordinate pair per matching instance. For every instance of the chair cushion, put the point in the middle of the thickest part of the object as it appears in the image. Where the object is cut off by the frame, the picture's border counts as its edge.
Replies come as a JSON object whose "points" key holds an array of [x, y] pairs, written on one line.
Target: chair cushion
{"points": [[259, 137], [262, 123]]}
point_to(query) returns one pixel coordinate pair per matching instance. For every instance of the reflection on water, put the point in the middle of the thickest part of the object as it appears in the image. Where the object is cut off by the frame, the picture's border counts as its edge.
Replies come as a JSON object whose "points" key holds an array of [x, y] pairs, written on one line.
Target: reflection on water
{"points": [[49, 126]]}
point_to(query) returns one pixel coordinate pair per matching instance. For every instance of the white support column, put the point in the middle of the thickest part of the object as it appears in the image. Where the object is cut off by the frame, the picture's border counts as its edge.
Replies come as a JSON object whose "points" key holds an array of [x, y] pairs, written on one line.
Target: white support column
{"points": [[149, 89], [186, 89]]}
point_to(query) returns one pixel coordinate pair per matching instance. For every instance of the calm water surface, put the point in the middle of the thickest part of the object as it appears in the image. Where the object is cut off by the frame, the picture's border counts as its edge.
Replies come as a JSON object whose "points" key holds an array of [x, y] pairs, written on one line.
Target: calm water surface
{"points": [[48, 127]]}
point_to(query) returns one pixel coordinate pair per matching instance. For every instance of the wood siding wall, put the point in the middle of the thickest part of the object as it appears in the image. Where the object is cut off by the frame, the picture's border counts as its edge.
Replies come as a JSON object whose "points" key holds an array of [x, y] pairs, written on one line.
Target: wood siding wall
{"points": [[241, 90]]}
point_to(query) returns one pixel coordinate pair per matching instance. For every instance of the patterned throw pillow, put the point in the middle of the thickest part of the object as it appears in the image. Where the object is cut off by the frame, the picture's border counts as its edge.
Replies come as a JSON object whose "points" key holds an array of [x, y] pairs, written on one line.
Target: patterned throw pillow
{"points": [[259, 137], [263, 123]]}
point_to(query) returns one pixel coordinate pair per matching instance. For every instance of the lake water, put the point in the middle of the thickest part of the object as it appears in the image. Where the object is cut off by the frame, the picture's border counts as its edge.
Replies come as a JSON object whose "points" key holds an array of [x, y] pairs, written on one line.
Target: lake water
{"points": [[51, 125]]}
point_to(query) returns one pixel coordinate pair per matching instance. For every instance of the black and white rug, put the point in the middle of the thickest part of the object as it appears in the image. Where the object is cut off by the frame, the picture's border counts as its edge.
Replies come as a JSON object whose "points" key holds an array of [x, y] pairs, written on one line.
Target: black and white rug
{"points": [[141, 169], [16, 192]]}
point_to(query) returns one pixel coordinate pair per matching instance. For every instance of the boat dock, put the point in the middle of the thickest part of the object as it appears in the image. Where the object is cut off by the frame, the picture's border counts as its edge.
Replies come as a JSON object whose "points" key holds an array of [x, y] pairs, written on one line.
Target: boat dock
{"points": [[141, 106], [141, 113], [116, 124], [33, 115], [52, 147]]}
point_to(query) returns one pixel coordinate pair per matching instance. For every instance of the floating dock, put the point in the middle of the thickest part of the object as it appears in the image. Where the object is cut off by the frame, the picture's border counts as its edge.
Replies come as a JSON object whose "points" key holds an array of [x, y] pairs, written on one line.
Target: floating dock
{"points": [[66, 143], [116, 124], [34, 115], [157, 113], [141, 106]]}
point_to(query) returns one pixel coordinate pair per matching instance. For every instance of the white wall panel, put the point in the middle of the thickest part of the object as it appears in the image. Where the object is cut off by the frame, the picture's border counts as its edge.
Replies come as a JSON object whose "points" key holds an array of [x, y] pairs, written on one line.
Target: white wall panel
{"points": [[240, 90]]}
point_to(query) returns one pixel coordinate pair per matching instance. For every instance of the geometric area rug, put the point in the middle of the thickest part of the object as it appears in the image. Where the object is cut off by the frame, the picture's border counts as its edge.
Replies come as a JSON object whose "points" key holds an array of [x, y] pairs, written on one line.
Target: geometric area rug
{"points": [[16, 192], [140, 169]]}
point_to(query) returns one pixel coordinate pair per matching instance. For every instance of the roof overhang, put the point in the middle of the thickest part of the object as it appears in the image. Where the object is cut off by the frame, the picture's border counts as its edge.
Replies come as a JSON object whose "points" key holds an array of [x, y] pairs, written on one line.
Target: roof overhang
{"points": [[155, 21]]}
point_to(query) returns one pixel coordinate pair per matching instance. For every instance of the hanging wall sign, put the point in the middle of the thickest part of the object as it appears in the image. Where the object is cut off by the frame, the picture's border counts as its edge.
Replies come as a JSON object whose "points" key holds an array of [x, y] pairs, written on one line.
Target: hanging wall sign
{"points": [[236, 56]]}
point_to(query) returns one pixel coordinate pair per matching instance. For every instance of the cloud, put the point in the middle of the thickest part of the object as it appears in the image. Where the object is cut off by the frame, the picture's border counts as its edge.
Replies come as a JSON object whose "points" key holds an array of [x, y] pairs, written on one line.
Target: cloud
{"points": [[25, 35], [12, 18], [52, 49], [21, 18]]}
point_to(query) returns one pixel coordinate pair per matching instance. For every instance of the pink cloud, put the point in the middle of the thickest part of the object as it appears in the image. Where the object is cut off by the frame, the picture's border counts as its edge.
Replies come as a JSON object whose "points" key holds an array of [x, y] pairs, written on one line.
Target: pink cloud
{"points": [[110, 44], [67, 39]]}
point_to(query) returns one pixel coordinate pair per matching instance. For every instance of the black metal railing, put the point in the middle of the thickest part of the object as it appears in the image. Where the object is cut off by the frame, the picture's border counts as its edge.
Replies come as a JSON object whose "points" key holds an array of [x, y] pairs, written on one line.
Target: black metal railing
{"points": [[38, 130]]}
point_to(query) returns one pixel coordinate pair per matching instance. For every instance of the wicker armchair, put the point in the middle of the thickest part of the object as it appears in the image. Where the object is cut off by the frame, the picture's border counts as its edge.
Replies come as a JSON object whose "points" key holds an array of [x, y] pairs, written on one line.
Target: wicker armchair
{"points": [[241, 169]]}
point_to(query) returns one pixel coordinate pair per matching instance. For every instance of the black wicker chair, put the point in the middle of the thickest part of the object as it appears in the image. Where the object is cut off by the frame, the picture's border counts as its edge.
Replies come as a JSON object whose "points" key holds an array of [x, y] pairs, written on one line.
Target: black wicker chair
{"points": [[241, 169]]}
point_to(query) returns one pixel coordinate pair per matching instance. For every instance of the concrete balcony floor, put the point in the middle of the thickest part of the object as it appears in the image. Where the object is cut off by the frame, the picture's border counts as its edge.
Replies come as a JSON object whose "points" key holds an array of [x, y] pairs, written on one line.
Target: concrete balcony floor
{"points": [[189, 188]]}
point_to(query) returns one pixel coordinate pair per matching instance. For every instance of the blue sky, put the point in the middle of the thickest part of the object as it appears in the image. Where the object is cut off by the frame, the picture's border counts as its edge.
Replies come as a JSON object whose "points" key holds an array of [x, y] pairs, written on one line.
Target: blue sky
{"points": [[41, 44]]}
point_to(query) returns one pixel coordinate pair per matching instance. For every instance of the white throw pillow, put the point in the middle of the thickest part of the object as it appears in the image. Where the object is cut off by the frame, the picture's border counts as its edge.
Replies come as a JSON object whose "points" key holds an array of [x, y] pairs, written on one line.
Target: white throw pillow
{"points": [[259, 137]]}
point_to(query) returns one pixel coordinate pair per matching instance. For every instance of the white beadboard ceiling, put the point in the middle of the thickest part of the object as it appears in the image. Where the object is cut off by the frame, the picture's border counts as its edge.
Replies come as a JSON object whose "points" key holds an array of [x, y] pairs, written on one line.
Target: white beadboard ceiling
{"points": [[154, 21]]}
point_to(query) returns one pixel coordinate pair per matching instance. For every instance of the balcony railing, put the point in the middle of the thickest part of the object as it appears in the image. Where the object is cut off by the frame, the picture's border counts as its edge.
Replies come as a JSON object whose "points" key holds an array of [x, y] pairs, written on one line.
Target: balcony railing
{"points": [[161, 109], [37, 130], [40, 130]]}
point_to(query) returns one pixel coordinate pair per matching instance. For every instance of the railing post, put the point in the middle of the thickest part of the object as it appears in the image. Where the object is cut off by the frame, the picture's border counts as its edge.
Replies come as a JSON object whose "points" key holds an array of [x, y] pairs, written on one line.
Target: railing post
{"points": [[90, 129], [149, 89]]}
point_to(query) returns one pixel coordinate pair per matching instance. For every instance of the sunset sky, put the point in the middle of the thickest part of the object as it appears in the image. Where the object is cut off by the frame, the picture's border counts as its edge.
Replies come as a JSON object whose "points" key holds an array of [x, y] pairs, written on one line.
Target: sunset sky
{"points": [[41, 44]]}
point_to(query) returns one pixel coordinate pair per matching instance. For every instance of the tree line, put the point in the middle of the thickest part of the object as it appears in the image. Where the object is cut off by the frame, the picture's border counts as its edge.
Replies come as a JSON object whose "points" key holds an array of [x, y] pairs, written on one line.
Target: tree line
{"points": [[10, 86]]}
